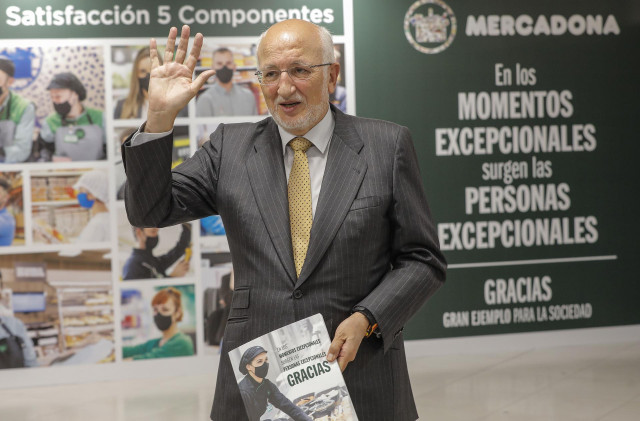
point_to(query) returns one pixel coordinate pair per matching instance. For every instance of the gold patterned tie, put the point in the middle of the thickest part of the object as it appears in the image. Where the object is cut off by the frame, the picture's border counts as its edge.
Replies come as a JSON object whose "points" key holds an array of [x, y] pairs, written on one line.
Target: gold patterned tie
{"points": [[299, 191]]}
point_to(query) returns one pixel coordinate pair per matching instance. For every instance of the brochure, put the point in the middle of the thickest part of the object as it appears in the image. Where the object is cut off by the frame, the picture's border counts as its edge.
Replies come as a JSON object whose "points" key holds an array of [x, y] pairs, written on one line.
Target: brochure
{"points": [[285, 375]]}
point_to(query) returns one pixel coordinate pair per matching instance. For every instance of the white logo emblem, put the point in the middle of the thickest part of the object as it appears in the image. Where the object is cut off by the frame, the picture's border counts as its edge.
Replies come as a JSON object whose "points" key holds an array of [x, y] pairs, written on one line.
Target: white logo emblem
{"points": [[435, 25]]}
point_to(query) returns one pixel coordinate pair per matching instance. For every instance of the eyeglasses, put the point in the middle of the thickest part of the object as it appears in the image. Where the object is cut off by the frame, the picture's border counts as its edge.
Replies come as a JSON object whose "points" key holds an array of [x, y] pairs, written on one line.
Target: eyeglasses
{"points": [[296, 73]]}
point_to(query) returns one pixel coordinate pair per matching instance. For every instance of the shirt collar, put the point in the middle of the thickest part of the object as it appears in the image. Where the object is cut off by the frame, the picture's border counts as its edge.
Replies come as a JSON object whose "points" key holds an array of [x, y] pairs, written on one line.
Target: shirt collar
{"points": [[319, 135], [75, 120]]}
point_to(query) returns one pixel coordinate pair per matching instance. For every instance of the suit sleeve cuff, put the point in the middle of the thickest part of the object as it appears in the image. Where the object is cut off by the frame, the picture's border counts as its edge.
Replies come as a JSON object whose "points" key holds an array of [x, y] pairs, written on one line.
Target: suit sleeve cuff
{"points": [[141, 136]]}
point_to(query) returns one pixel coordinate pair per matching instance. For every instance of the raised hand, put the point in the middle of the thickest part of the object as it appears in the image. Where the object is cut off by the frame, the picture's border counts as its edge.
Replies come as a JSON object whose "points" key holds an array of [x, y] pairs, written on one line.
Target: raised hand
{"points": [[171, 85]]}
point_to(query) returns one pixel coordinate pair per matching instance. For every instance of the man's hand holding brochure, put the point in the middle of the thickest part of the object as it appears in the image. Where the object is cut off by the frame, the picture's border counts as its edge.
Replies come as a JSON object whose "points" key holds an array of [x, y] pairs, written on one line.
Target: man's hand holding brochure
{"points": [[285, 374]]}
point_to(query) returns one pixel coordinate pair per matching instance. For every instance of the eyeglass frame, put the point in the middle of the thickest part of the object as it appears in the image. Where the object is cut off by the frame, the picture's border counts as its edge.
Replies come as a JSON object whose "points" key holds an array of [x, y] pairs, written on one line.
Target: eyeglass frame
{"points": [[259, 73]]}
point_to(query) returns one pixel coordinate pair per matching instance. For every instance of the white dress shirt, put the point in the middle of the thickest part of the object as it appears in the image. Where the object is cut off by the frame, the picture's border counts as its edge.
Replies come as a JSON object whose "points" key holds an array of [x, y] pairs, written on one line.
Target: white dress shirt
{"points": [[319, 136]]}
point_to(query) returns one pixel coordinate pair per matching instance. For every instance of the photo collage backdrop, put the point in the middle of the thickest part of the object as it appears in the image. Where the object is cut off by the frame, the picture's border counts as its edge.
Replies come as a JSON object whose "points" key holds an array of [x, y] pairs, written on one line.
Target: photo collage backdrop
{"points": [[78, 282]]}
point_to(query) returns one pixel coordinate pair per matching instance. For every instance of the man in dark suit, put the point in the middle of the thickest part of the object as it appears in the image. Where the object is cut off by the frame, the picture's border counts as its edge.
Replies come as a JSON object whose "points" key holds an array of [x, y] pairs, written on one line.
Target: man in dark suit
{"points": [[324, 212]]}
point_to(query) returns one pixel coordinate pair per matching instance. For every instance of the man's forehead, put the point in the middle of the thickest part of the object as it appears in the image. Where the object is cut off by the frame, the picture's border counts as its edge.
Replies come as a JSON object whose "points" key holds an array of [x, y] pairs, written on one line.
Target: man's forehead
{"points": [[278, 55], [281, 55], [290, 41], [223, 55]]}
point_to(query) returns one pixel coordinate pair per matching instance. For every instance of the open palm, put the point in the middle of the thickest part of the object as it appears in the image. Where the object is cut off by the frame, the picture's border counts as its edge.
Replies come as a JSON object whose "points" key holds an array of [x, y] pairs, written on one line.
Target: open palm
{"points": [[171, 85]]}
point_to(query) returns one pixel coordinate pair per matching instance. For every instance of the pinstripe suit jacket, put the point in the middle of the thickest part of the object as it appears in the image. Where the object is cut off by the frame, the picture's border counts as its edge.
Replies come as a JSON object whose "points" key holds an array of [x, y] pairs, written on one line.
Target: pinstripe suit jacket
{"points": [[373, 242]]}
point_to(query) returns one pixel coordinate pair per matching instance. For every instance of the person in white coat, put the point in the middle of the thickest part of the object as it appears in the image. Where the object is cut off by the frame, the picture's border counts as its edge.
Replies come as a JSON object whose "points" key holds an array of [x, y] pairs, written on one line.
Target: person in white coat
{"points": [[93, 194]]}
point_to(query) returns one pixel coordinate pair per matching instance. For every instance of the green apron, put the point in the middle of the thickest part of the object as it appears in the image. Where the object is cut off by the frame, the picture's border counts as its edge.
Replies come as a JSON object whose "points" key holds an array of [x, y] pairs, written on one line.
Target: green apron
{"points": [[7, 127], [80, 143]]}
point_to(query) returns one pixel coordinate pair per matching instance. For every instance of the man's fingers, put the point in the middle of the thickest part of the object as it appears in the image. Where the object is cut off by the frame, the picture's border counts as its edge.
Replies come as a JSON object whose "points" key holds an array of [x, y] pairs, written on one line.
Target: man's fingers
{"points": [[192, 60], [347, 354], [171, 43], [153, 53], [181, 52], [334, 349], [342, 362], [202, 79]]}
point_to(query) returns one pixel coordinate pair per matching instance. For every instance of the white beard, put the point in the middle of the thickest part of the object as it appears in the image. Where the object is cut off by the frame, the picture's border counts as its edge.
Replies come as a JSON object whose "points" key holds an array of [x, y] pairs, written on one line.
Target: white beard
{"points": [[314, 113]]}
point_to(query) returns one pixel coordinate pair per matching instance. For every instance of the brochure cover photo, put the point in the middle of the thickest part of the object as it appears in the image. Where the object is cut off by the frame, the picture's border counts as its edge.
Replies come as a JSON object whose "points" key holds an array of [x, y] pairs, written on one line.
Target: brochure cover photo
{"points": [[284, 375]]}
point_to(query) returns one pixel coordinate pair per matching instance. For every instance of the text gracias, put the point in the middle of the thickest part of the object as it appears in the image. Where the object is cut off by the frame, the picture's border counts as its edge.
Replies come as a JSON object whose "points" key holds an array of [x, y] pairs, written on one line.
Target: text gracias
{"points": [[305, 373], [525, 289]]}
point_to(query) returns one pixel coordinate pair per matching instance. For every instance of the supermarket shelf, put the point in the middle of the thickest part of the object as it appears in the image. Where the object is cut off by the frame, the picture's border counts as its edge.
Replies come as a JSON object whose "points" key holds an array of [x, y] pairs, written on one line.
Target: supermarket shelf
{"points": [[95, 286], [82, 309], [78, 330], [82, 344], [132, 331], [77, 173], [56, 203]]}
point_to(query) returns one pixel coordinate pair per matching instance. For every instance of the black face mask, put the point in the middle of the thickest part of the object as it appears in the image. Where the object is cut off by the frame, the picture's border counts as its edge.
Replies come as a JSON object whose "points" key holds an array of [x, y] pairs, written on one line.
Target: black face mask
{"points": [[62, 108], [224, 75], [262, 370], [162, 322], [150, 243], [144, 83]]}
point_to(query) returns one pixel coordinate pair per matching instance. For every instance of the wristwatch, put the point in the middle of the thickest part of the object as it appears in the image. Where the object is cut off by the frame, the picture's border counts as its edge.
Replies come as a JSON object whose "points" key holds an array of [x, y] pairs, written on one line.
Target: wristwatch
{"points": [[372, 329]]}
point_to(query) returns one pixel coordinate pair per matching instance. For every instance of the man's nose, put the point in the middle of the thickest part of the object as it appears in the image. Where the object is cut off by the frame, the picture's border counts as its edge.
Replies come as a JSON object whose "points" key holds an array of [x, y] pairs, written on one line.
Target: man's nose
{"points": [[286, 87]]}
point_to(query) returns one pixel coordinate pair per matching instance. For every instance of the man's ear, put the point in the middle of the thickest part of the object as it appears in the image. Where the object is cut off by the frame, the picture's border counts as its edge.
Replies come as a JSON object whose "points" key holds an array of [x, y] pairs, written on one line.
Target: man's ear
{"points": [[334, 71]]}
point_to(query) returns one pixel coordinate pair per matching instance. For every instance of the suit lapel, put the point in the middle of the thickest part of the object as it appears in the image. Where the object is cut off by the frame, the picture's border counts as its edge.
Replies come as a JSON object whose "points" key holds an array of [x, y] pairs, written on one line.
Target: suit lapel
{"points": [[343, 176], [265, 166]]}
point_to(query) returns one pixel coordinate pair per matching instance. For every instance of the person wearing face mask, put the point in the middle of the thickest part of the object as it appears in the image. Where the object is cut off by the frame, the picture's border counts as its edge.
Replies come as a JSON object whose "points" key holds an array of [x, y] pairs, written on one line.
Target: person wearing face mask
{"points": [[142, 264], [225, 98], [256, 390], [136, 103], [93, 194], [17, 118], [137, 100], [167, 313], [76, 131]]}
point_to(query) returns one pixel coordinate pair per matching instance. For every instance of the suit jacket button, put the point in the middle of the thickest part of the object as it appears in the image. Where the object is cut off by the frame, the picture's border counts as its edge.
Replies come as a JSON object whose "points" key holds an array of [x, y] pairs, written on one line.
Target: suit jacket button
{"points": [[297, 294]]}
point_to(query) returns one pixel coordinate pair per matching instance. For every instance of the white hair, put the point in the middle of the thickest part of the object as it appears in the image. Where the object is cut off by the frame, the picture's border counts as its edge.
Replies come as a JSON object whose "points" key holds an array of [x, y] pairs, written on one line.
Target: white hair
{"points": [[328, 52]]}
